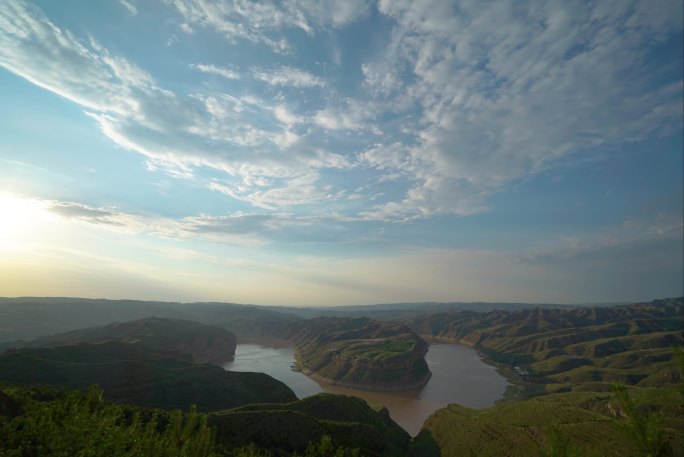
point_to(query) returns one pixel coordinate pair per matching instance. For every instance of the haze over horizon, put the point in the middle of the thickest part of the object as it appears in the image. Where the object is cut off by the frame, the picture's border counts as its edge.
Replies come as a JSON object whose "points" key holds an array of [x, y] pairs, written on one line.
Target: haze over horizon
{"points": [[320, 153]]}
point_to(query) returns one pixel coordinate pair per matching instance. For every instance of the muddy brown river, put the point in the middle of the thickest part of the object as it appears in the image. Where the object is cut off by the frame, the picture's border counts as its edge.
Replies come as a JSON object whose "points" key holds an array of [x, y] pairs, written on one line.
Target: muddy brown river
{"points": [[458, 376]]}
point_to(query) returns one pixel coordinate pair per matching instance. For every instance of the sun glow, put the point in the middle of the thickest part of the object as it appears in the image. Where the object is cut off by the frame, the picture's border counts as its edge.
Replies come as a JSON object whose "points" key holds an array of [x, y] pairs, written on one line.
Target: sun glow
{"points": [[19, 217]]}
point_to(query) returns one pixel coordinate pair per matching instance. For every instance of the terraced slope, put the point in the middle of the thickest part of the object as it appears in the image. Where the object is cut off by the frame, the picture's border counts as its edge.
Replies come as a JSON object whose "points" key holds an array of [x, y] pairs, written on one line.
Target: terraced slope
{"points": [[556, 350], [361, 353], [132, 373], [204, 343], [284, 428]]}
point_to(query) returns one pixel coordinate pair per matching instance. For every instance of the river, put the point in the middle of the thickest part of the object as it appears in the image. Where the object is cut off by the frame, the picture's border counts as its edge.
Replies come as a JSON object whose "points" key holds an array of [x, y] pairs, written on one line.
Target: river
{"points": [[458, 376]]}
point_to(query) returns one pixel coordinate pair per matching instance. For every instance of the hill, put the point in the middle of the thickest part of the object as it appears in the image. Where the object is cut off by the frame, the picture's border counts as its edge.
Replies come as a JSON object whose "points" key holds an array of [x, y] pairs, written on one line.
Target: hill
{"points": [[557, 350], [361, 353], [132, 373], [204, 343], [60, 314], [284, 428], [48, 421], [397, 311], [569, 361], [585, 423]]}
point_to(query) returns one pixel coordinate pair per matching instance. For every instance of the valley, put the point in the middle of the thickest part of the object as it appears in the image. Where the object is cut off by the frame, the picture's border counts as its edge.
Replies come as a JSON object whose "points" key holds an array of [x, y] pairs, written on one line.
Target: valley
{"points": [[575, 375], [458, 376]]}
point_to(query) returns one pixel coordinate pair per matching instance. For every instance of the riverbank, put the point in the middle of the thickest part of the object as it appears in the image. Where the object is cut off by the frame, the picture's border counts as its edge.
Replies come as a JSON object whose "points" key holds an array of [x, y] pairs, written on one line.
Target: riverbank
{"points": [[406, 387], [459, 375]]}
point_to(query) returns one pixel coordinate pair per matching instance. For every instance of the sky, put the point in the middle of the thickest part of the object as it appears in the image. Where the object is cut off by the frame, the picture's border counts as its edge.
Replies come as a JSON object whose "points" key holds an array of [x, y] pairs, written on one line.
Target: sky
{"points": [[319, 153]]}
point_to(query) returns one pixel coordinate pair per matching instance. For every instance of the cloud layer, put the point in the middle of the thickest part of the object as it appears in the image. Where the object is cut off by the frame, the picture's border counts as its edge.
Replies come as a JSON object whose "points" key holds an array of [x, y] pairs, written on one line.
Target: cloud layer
{"points": [[355, 149], [479, 95]]}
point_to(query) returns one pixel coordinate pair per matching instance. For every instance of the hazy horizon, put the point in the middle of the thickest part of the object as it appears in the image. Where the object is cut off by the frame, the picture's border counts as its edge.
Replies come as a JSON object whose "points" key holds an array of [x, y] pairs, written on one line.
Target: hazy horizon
{"points": [[303, 153], [342, 305]]}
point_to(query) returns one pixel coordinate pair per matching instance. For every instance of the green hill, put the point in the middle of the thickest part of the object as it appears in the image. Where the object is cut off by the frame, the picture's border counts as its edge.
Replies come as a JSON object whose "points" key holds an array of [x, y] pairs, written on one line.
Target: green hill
{"points": [[132, 373], [204, 343], [588, 423], [289, 427], [361, 353], [569, 361], [48, 421], [556, 350]]}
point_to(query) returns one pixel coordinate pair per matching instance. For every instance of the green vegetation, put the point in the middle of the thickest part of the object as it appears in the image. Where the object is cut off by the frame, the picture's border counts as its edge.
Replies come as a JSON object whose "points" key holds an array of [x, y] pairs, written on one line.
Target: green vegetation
{"points": [[361, 353], [592, 382], [290, 427], [571, 423], [132, 373], [323, 448], [48, 421], [604, 381], [574, 349], [83, 424], [646, 430]]}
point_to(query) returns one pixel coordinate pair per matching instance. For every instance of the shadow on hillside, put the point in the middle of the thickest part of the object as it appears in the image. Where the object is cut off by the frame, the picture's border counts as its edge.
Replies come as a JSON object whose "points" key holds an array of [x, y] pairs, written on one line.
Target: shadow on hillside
{"points": [[424, 445], [8, 407]]}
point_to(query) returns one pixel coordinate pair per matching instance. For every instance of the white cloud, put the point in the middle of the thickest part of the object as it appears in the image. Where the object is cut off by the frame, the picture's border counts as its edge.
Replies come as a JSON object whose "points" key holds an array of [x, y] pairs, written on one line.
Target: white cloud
{"points": [[236, 19], [242, 229], [297, 191], [288, 76], [257, 21], [286, 117], [130, 7], [238, 228], [463, 101], [642, 247], [350, 115], [177, 134], [213, 69], [34, 48], [507, 90]]}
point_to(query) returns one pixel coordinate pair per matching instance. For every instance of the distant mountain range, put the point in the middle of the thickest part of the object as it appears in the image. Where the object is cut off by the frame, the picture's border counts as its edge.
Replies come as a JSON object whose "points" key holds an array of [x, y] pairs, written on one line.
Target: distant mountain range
{"points": [[61, 314], [26, 318]]}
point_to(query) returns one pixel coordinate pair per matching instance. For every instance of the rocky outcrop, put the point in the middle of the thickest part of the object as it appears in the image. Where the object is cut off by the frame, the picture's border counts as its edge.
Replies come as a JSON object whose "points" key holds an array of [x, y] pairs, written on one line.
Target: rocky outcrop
{"points": [[360, 353]]}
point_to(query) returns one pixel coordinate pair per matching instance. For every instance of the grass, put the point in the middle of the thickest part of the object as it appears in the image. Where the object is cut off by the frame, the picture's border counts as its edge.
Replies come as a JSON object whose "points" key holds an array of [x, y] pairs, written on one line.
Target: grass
{"points": [[587, 420], [570, 360]]}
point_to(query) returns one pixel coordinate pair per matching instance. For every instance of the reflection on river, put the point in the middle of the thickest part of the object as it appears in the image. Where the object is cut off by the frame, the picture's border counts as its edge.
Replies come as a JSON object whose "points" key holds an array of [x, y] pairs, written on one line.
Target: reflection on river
{"points": [[458, 376]]}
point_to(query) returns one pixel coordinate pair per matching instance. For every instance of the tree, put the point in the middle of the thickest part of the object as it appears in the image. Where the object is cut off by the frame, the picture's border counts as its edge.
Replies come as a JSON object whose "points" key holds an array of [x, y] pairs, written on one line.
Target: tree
{"points": [[644, 429]]}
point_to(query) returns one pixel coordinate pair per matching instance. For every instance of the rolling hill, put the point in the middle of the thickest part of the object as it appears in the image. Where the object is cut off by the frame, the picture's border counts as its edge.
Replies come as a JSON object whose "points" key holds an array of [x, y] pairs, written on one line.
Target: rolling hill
{"points": [[132, 373], [557, 350], [62, 314], [204, 343], [284, 428], [361, 353]]}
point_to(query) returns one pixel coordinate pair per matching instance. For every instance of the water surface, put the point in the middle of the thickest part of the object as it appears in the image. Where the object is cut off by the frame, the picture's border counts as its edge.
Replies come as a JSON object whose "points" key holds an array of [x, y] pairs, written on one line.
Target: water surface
{"points": [[458, 376]]}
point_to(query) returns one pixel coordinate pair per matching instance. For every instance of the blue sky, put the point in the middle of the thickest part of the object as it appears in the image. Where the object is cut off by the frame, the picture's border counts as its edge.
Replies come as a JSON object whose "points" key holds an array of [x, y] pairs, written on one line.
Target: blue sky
{"points": [[318, 152]]}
